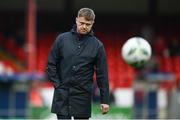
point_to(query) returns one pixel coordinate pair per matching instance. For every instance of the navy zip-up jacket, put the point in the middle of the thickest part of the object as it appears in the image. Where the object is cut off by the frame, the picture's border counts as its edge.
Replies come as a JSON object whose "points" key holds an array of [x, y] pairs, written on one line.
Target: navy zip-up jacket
{"points": [[72, 62]]}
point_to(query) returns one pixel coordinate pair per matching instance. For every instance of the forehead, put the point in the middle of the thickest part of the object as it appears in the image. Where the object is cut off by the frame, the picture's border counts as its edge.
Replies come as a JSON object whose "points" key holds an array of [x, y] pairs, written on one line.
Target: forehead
{"points": [[83, 19]]}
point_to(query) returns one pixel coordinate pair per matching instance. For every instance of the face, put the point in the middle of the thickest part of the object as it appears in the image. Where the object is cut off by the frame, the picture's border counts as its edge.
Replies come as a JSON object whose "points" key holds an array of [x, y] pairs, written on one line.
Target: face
{"points": [[83, 26]]}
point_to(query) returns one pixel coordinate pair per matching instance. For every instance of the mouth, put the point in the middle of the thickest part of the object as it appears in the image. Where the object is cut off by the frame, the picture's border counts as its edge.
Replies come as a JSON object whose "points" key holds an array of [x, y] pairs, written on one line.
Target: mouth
{"points": [[84, 30]]}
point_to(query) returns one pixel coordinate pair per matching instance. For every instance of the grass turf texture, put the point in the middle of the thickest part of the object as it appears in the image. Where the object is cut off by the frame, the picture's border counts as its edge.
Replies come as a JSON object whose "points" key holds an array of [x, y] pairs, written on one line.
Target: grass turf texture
{"points": [[114, 113]]}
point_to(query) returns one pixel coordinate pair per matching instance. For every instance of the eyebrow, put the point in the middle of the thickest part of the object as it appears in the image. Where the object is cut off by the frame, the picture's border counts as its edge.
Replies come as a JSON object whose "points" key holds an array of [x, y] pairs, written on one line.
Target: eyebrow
{"points": [[85, 23]]}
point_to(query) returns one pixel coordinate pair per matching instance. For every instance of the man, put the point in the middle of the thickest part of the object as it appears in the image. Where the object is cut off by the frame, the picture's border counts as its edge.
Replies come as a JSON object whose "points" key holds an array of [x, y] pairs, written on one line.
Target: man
{"points": [[74, 57]]}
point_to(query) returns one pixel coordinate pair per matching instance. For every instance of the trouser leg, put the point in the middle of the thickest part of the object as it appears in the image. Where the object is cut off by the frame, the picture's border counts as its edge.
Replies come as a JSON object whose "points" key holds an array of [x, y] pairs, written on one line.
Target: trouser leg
{"points": [[62, 117]]}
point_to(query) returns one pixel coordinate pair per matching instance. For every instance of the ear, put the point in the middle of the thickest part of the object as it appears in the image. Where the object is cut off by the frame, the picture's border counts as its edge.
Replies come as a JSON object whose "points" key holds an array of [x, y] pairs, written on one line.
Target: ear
{"points": [[93, 22], [76, 19]]}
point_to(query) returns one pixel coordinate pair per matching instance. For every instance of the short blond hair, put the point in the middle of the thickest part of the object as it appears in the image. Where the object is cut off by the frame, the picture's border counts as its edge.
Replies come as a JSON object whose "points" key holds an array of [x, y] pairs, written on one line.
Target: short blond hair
{"points": [[87, 13]]}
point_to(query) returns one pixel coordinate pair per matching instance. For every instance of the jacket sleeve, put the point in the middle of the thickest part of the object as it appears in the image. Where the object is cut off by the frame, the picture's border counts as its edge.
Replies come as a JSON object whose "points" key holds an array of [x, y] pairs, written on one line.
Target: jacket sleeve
{"points": [[102, 75], [52, 64]]}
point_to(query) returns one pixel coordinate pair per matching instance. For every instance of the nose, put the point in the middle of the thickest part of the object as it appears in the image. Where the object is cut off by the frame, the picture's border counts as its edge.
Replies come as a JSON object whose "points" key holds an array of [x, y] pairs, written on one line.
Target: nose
{"points": [[84, 26]]}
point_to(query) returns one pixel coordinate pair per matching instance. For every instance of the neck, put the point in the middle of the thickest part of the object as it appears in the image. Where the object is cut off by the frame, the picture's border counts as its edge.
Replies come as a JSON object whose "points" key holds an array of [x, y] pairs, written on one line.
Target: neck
{"points": [[81, 35]]}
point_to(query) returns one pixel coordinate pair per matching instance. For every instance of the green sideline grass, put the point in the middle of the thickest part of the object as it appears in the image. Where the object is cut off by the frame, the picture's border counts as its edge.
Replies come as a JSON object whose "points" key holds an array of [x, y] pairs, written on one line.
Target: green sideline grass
{"points": [[115, 112]]}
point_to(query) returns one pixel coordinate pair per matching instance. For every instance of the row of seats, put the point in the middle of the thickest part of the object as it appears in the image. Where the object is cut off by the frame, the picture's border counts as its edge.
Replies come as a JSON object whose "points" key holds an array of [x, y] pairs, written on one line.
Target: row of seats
{"points": [[120, 74], [10, 45]]}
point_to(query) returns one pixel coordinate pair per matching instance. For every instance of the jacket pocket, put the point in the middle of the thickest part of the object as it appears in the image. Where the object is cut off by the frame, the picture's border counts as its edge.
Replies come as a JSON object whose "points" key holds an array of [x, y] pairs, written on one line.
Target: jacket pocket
{"points": [[61, 94], [60, 101]]}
